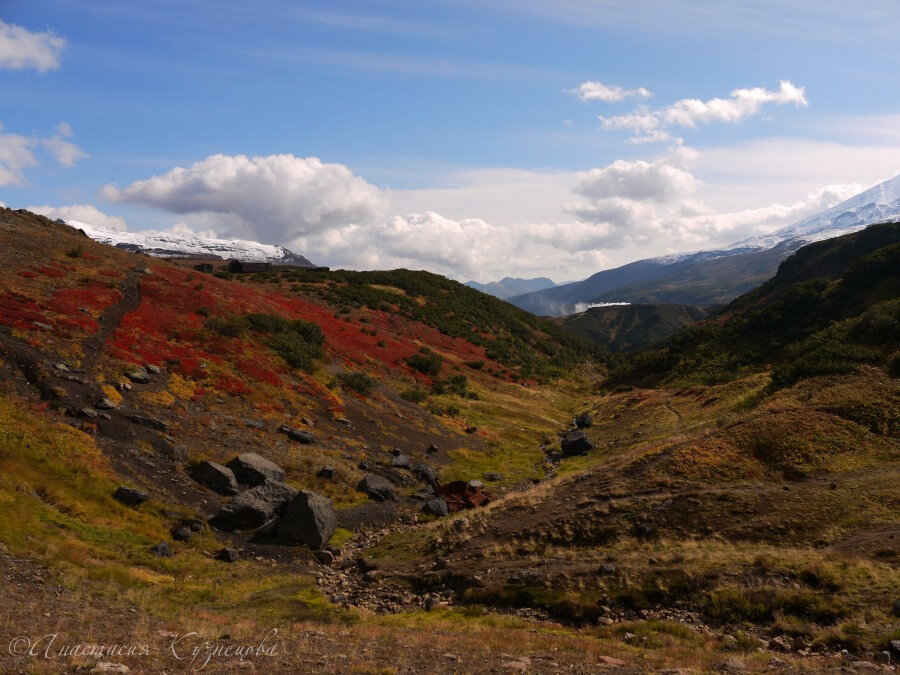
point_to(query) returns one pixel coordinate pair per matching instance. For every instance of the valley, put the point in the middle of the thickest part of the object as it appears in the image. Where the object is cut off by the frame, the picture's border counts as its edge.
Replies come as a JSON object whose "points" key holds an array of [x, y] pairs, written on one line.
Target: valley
{"points": [[724, 499]]}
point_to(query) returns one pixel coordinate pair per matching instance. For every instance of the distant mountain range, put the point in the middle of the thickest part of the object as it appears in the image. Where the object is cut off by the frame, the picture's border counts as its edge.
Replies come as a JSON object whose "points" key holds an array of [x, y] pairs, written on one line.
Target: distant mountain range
{"points": [[627, 328], [715, 277], [510, 286], [176, 245]]}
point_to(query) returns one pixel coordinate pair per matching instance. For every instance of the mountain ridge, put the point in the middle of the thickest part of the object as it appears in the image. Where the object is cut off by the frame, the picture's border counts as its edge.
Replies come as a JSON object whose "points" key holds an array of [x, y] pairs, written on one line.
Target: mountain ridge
{"points": [[704, 277]]}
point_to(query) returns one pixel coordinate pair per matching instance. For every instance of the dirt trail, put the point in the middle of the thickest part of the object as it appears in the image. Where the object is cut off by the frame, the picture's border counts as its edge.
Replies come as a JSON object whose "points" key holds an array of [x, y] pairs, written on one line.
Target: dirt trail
{"points": [[130, 289]]}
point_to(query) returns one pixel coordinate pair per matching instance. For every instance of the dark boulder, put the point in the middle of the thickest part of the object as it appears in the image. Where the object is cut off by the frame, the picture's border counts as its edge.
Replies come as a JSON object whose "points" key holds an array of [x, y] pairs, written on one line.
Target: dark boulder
{"points": [[228, 555], [149, 422], [139, 375], [130, 496], [162, 549], [575, 443], [401, 462], [584, 420], [378, 488], [308, 519], [182, 533], [256, 506], [216, 477], [427, 475], [252, 469], [436, 507], [299, 435], [431, 448], [326, 472]]}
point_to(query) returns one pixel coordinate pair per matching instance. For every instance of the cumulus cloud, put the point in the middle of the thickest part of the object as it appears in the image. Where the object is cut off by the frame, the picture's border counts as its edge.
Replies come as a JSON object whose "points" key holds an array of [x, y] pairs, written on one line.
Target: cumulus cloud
{"points": [[65, 152], [610, 93], [17, 153], [85, 213], [639, 203], [649, 125], [21, 48], [273, 198]]}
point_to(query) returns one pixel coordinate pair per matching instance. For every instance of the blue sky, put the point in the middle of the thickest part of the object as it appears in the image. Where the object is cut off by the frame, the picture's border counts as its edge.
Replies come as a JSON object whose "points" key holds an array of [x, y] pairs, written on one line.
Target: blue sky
{"points": [[451, 135]]}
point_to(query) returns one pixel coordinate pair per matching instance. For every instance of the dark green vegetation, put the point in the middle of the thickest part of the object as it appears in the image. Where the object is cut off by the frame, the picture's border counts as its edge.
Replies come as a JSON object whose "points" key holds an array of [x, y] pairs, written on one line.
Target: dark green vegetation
{"points": [[297, 341], [831, 307], [531, 346], [628, 328]]}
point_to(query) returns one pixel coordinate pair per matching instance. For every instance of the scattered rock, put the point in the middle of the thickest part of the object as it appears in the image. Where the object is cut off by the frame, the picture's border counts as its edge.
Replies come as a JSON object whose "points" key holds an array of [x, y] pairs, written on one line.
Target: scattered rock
{"points": [[895, 647], [308, 519], [326, 472], [139, 376], [228, 555], [299, 435], [61, 366], [471, 430], [252, 469], [378, 488], [884, 658], [256, 506], [731, 665], [607, 568], [364, 466], [130, 496], [476, 484], [436, 507], [431, 448], [584, 420], [401, 461], [493, 476], [162, 550], [150, 368], [149, 422], [427, 475], [43, 326], [106, 404], [575, 443], [216, 477], [182, 533], [87, 412]]}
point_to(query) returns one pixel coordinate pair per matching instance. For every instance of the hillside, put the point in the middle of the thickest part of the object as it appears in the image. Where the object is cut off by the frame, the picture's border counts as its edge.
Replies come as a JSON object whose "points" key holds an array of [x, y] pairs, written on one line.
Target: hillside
{"points": [[718, 276], [627, 328], [709, 523], [831, 306]]}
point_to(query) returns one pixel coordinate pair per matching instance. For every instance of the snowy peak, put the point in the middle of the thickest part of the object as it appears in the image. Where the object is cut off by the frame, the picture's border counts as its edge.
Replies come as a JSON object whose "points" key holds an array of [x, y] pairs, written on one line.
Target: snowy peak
{"points": [[187, 245], [876, 204]]}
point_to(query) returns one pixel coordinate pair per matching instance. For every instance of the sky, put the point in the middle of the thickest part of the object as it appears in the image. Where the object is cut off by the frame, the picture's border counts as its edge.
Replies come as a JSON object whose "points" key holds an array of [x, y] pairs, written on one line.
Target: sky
{"points": [[473, 138]]}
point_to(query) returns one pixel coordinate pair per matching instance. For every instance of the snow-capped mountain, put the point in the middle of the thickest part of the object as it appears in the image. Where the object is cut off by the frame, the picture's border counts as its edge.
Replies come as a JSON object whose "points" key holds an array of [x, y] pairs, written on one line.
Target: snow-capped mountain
{"points": [[178, 245], [717, 276], [876, 204]]}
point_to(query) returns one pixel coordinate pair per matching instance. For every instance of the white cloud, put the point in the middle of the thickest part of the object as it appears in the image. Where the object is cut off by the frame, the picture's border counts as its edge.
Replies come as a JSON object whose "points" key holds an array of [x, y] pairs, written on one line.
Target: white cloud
{"points": [[272, 198], [17, 153], [20, 48], [65, 152], [15, 156], [611, 93], [86, 213], [653, 125]]}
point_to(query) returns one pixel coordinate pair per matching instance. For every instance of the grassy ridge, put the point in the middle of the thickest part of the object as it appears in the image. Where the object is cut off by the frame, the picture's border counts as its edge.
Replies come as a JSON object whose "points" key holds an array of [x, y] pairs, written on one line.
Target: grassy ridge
{"points": [[831, 307]]}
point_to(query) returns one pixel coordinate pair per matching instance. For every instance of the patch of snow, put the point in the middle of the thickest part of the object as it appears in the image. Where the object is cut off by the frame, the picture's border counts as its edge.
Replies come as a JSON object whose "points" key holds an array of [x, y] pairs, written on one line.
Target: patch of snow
{"points": [[182, 245]]}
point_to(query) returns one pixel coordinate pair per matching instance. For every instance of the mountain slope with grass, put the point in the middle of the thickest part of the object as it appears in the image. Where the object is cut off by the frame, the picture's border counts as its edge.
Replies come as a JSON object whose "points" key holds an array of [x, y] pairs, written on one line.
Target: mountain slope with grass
{"points": [[738, 520], [628, 328]]}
